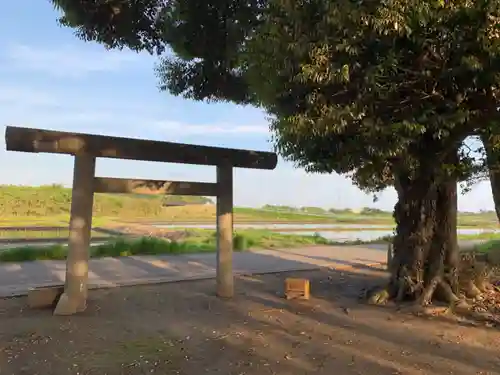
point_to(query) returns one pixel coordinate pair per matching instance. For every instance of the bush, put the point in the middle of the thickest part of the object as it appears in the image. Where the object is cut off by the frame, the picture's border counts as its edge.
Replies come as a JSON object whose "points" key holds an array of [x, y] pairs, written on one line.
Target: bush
{"points": [[198, 241], [31, 253], [240, 243]]}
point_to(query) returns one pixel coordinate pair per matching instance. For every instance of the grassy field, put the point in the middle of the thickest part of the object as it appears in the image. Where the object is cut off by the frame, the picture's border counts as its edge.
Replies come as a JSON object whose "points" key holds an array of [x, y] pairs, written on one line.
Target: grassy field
{"points": [[49, 205], [48, 233], [197, 241], [486, 236], [41, 234], [55, 200], [204, 240]]}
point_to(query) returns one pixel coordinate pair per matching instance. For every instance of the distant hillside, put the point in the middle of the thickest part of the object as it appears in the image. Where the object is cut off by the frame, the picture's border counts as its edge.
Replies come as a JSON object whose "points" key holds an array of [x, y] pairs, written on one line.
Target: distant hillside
{"points": [[56, 199]]}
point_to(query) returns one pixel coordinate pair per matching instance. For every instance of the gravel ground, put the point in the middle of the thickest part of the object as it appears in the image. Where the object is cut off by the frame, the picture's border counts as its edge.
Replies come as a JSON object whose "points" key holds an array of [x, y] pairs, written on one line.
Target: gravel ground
{"points": [[182, 328]]}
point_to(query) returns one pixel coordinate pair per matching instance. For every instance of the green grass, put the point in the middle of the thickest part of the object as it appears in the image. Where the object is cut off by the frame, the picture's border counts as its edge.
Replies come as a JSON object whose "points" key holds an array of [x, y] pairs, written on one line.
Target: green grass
{"points": [[26, 233], [486, 236], [487, 246], [55, 200], [480, 236], [39, 234], [265, 215], [51, 221], [198, 241], [491, 249], [50, 205]]}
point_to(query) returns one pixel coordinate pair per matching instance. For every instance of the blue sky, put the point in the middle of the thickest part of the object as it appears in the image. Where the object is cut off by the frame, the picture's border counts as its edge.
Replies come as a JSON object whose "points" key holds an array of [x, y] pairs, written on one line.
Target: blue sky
{"points": [[50, 79]]}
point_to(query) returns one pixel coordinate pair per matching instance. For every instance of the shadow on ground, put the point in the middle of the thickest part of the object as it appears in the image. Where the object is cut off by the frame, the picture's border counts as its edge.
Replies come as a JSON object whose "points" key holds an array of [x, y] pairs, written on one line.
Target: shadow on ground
{"points": [[182, 328], [17, 278]]}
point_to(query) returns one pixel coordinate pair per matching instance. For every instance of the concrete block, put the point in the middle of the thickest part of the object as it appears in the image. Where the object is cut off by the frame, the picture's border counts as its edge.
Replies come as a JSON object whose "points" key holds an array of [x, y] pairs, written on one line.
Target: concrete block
{"points": [[493, 256], [69, 306], [297, 288], [44, 297]]}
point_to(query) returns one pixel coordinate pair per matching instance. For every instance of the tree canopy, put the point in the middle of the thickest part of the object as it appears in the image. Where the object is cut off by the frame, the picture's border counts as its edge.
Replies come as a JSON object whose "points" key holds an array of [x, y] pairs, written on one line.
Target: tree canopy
{"points": [[352, 86], [361, 83]]}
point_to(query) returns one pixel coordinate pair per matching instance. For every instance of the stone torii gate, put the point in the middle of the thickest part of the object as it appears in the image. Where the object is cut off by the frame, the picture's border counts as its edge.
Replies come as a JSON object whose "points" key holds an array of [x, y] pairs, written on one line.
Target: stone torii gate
{"points": [[86, 148]]}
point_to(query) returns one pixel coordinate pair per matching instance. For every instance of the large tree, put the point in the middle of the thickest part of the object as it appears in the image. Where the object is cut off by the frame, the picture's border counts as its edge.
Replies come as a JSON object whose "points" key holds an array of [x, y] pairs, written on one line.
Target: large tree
{"points": [[386, 91]]}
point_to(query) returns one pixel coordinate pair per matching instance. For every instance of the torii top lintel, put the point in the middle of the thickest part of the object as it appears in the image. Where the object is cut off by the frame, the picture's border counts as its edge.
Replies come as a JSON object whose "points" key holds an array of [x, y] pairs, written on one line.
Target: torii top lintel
{"points": [[50, 141]]}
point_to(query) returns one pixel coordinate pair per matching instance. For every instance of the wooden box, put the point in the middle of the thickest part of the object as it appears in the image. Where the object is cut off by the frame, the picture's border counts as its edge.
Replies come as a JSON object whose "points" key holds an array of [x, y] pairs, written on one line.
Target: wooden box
{"points": [[297, 288]]}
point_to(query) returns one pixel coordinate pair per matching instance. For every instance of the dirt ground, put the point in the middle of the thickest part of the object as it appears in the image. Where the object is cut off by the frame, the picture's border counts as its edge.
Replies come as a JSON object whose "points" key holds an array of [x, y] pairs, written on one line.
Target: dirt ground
{"points": [[182, 328]]}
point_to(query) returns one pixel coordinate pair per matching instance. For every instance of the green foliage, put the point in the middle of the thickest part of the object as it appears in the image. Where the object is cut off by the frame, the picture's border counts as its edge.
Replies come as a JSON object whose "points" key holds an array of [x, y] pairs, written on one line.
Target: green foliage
{"points": [[240, 242], [211, 30], [372, 211], [277, 207], [148, 246], [54, 200], [208, 38], [366, 211], [32, 253], [136, 24], [492, 250], [342, 211], [266, 215], [367, 88], [23, 233], [370, 87], [197, 241], [487, 246], [314, 210]]}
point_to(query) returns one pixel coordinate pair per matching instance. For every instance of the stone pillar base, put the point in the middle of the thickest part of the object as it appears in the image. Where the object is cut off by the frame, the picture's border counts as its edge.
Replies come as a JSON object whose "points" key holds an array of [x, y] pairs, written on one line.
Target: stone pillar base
{"points": [[70, 306]]}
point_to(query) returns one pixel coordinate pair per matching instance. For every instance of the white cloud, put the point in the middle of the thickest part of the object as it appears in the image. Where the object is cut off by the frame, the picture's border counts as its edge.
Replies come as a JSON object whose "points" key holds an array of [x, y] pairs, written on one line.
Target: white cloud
{"points": [[32, 110], [40, 107], [67, 61], [26, 96], [196, 129]]}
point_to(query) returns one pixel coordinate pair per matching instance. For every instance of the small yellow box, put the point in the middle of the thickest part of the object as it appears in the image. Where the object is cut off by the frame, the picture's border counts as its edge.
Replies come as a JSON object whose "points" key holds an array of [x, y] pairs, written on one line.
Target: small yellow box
{"points": [[297, 288]]}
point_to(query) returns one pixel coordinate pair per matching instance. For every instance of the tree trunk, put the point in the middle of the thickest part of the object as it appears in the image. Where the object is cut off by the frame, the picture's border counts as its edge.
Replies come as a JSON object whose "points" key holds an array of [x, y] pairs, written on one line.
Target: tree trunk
{"points": [[443, 260], [491, 144], [415, 214], [426, 257]]}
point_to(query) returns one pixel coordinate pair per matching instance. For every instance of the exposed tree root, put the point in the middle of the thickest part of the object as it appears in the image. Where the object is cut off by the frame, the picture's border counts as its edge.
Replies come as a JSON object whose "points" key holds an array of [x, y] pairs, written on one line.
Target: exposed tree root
{"points": [[378, 296], [446, 294], [473, 277], [424, 260], [472, 291]]}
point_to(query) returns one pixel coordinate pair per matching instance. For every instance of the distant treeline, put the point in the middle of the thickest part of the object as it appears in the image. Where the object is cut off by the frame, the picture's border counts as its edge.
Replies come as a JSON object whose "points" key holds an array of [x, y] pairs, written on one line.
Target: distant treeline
{"points": [[324, 211], [344, 211]]}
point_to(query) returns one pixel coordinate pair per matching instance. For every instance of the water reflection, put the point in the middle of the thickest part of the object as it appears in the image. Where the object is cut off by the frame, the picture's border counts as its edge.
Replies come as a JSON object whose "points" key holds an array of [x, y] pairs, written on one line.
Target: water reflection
{"points": [[369, 235], [275, 226], [344, 236], [370, 232]]}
